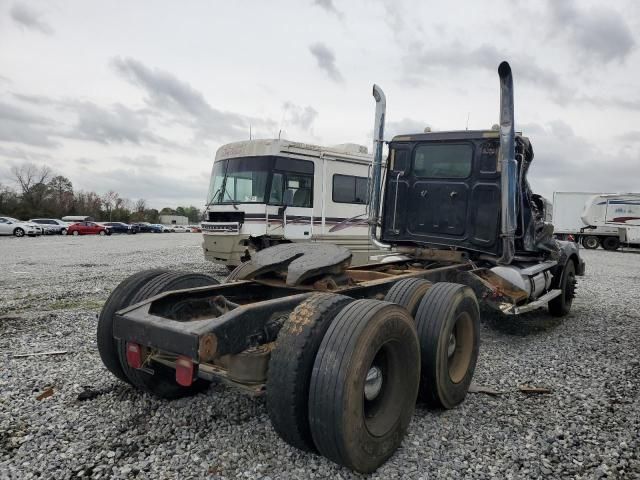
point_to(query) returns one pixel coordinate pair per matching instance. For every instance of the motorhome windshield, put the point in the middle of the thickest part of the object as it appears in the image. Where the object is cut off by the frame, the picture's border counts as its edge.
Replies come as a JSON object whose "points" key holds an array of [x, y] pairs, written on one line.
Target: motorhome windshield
{"points": [[262, 179], [239, 180]]}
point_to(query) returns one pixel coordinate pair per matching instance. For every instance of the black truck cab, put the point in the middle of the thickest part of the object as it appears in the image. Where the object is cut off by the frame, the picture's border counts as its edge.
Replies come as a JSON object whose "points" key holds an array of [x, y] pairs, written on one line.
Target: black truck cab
{"points": [[444, 189]]}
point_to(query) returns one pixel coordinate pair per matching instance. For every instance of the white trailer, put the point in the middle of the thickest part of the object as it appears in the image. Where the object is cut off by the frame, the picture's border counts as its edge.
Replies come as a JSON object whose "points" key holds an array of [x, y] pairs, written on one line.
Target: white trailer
{"points": [[619, 213], [266, 192], [595, 219]]}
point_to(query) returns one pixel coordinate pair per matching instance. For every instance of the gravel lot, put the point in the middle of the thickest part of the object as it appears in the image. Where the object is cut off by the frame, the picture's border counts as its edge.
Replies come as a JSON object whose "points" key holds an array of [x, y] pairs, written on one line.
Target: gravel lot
{"points": [[51, 290]]}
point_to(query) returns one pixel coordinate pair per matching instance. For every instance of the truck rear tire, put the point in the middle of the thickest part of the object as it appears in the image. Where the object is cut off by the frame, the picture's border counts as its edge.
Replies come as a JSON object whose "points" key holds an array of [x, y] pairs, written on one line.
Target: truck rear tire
{"points": [[291, 365], [119, 299], [161, 382], [590, 242], [408, 293], [561, 305], [448, 323], [611, 243], [364, 384]]}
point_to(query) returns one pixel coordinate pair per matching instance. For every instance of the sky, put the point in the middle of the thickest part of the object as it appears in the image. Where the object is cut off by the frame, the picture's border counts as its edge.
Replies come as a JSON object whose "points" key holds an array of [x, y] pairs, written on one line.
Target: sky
{"points": [[136, 97]]}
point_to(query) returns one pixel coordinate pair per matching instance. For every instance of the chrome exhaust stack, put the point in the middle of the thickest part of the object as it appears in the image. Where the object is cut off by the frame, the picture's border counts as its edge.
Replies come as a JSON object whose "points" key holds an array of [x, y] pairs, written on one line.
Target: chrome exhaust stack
{"points": [[376, 167], [508, 166]]}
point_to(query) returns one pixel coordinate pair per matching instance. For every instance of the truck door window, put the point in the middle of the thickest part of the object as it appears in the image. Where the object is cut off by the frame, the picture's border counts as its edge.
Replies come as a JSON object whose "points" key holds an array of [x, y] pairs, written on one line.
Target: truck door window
{"points": [[438, 160], [399, 160], [489, 157]]}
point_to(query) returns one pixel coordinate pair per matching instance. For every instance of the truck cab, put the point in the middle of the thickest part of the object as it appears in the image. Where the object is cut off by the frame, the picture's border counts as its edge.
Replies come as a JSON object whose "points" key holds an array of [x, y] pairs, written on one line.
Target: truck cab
{"points": [[444, 189]]}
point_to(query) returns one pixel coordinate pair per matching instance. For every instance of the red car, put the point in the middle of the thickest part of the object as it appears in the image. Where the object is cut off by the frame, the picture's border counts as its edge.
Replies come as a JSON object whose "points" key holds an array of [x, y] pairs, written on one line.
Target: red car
{"points": [[87, 228]]}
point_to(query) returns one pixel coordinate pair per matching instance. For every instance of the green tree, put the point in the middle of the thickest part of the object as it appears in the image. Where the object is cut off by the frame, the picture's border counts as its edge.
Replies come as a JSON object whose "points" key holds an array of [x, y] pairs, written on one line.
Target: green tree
{"points": [[61, 193], [152, 215], [9, 200]]}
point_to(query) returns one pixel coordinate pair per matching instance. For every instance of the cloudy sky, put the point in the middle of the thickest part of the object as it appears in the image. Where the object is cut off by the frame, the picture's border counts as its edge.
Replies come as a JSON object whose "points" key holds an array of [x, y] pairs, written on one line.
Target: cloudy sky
{"points": [[137, 96]]}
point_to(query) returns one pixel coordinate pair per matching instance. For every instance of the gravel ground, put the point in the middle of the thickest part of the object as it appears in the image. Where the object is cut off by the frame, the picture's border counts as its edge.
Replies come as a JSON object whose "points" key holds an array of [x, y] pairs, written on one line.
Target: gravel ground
{"points": [[51, 290]]}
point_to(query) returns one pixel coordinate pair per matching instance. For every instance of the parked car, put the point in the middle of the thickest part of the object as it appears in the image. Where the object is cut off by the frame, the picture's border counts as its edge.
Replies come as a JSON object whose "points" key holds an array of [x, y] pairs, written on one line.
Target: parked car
{"points": [[77, 218], [88, 228], [163, 228], [119, 227], [18, 228], [51, 225], [195, 228], [180, 228], [146, 227]]}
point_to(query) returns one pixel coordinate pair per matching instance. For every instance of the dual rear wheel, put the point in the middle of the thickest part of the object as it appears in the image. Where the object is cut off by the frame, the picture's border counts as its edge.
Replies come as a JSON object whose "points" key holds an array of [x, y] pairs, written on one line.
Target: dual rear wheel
{"points": [[345, 374]]}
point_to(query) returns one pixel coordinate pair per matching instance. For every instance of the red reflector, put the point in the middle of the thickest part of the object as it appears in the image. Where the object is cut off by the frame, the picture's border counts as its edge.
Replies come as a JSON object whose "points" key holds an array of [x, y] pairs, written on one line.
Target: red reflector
{"points": [[134, 355], [184, 371]]}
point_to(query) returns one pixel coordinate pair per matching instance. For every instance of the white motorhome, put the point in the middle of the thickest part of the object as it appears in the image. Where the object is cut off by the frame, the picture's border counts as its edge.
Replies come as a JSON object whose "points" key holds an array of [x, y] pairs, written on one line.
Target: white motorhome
{"points": [[265, 192]]}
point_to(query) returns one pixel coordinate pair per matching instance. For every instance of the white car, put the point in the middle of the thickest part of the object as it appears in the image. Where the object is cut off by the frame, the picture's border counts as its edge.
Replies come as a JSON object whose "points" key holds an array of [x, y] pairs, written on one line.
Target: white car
{"points": [[18, 228], [179, 229]]}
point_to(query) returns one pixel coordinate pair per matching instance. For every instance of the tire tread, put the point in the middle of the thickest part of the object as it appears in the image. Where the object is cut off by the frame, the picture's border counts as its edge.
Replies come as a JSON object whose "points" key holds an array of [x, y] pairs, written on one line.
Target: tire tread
{"points": [[291, 365]]}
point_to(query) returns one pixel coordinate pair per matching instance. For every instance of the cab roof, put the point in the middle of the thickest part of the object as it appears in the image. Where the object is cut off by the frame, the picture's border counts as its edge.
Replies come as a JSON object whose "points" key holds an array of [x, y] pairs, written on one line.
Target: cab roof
{"points": [[449, 135]]}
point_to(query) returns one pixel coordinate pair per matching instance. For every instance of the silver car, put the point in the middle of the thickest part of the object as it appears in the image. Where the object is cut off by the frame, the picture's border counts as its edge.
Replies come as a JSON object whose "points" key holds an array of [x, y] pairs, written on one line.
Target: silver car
{"points": [[51, 225], [18, 228]]}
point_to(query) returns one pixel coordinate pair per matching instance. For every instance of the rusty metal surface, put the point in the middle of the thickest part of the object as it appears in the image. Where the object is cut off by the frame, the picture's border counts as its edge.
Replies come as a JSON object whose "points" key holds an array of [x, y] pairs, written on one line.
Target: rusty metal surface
{"points": [[298, 261], [440, 255], [256, 319]]}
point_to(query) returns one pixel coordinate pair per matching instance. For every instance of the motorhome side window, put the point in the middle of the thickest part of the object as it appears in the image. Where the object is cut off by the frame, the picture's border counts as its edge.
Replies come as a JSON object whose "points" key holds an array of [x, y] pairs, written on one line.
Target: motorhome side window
{"points": [[439, 160], [349, 189], [292, 183]]}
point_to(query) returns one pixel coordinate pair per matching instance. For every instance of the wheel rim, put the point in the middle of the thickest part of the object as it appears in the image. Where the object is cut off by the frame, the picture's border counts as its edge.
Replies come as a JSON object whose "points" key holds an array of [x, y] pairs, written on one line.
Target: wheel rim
{"points": [[380, 393], [460, 347], [591, 242], [19, 233], [373, 383]]}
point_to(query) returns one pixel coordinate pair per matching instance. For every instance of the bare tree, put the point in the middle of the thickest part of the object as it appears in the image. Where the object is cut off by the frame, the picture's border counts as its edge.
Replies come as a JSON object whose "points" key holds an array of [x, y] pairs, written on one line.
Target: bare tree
{"points": [[32, 181], [141, 205], [110, 200]]}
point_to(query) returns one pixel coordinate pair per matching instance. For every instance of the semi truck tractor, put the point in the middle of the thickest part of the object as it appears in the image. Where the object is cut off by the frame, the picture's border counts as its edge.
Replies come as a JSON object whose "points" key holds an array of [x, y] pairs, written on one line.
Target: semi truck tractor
{"points": [[343, 353]]}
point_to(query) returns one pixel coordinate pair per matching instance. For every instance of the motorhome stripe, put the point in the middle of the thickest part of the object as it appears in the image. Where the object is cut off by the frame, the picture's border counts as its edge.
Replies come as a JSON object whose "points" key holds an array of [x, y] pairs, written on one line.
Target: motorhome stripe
{"points": [[316, 220]]}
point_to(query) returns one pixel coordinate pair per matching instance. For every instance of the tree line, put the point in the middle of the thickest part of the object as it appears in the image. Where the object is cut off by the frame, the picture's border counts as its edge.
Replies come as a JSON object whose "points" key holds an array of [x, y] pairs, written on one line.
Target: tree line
{"points": [[41, 193]]}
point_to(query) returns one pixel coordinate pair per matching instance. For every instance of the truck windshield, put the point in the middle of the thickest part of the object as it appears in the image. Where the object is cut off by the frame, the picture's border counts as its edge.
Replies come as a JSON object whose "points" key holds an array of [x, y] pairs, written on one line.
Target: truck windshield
{"points": [[265, 179]]}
